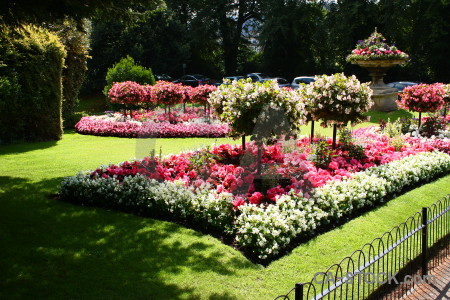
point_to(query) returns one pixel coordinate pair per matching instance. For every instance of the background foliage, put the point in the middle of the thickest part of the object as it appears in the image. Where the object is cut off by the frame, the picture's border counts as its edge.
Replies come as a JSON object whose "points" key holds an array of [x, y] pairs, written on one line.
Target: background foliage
{"points": [[282, 38]]}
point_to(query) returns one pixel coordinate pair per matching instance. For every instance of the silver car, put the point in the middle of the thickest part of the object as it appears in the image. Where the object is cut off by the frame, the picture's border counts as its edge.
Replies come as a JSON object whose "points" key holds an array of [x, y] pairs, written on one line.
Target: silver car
{"points": [[301, 79]]}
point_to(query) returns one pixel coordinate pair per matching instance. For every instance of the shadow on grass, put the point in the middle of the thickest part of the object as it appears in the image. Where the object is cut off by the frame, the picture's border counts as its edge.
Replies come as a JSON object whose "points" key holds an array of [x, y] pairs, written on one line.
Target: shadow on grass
{"points": [[22, 147], [53, 249], [375, 116]]}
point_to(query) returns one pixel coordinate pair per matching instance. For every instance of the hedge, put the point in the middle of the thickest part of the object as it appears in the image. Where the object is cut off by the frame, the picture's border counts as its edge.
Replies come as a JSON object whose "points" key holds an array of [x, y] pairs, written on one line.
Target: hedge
{"points": [[31, 64]]}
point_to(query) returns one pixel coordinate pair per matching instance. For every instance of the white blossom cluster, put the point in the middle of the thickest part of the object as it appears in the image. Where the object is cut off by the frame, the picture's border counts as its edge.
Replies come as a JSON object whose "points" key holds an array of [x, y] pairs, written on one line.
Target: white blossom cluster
{"points": [[244, 104], [141, 195], [266, 231], [338, 99]]}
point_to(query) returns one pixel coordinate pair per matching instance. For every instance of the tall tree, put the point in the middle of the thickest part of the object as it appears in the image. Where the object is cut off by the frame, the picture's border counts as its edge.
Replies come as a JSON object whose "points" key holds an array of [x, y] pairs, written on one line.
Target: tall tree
{"points": [[220, 20], [289, 37]]}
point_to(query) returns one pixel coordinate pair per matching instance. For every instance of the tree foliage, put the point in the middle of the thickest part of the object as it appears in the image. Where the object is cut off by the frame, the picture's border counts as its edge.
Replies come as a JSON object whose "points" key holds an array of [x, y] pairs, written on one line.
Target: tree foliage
{"points": [[15, 13]]}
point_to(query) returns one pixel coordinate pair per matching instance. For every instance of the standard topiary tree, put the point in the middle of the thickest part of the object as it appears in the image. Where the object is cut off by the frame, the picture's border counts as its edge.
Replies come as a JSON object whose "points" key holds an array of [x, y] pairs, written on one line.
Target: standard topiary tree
{"points": [[423, 98], [129, 94], [168, 94], [127, 70], [200, 95], [263, 110], [337, 100], [446, 98]]}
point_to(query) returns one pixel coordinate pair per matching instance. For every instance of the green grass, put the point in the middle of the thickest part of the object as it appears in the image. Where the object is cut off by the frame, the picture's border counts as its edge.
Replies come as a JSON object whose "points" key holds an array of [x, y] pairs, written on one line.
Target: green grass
{"points": [[53, 250]]}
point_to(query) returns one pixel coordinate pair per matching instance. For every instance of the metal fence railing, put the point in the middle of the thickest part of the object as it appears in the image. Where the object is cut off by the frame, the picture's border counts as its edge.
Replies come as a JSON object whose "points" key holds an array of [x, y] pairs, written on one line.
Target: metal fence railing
{"points": [[389, 266]]}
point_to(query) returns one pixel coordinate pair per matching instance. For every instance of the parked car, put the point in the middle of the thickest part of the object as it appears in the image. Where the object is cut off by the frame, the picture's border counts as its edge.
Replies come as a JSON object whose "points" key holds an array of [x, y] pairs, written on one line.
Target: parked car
{"points": [[193, 80], [400, 85], [231, 78], [281, 81], [257, 76], [301, 79], [164, 77]]}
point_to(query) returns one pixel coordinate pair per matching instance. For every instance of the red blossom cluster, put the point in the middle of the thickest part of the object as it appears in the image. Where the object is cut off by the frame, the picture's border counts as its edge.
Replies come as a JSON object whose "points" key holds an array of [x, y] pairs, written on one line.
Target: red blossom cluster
{"points": [[163, 92], [168, 93], [423, 97], [201, 93], [129, 93], [377, 51]]}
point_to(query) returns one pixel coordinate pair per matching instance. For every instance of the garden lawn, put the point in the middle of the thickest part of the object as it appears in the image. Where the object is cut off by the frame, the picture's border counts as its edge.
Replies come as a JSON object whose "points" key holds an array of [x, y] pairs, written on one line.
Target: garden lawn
{"points": [[52, 250]]}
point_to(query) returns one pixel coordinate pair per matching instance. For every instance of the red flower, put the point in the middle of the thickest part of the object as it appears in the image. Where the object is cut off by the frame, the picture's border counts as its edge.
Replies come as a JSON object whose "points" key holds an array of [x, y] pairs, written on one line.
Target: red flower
{"points": [[256, 198]]}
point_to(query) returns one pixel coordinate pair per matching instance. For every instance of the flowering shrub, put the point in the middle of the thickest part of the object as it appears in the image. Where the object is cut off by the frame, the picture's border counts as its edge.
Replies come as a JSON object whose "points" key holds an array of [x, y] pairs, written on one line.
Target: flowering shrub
{"points": [[338, 99], [128, 93], [422, 97], [200, 94], [375, 47], [260, 109], [168, 93]]}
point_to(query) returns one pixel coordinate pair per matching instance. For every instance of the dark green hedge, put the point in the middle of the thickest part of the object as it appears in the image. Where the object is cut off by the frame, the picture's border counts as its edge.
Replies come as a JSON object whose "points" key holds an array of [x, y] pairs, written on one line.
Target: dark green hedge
{"points": [[31, 63]]}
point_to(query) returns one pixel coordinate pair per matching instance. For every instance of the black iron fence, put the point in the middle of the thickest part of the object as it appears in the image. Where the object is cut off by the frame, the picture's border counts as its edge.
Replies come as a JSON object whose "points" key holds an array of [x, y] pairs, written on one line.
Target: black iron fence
{"points": [[390, 266]]}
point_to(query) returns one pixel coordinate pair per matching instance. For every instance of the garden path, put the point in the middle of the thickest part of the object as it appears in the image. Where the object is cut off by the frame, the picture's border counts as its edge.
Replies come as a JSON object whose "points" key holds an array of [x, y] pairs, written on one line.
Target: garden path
{"points": [[440, 289]]}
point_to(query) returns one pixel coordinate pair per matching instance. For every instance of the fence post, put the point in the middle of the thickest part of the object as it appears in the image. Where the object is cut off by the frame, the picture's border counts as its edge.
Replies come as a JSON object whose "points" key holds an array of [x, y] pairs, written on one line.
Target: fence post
{"points": [[424, 242], [299, 291]]}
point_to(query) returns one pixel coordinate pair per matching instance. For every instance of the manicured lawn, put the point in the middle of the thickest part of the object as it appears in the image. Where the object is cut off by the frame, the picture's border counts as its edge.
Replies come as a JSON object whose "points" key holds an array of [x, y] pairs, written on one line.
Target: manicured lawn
{"points": [[52, 250]]}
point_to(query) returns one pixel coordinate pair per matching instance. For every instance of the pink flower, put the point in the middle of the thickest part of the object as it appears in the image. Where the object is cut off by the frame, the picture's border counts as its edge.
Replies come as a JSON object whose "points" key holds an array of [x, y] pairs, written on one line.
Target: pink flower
{"points": [[333, 165], [238, 201]]}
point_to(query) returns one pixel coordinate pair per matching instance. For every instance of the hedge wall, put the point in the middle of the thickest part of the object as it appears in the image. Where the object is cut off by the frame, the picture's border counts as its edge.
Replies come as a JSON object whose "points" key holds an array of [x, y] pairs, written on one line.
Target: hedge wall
{"points": [[31, 63]]}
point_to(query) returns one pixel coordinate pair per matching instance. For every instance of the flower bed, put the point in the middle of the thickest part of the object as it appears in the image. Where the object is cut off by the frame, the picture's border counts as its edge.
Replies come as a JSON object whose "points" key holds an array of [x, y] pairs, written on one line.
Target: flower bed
{"points": [[376, 48], [216, 188], [153, 124]]}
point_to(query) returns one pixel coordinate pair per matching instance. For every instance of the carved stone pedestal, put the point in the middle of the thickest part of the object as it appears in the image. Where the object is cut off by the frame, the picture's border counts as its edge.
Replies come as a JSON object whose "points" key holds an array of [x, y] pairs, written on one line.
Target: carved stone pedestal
{"points": [[383, 96]]}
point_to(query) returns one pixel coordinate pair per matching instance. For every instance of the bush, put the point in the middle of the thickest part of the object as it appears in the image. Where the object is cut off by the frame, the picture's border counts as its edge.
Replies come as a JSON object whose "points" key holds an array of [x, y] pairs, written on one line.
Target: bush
{"points": [[168, 93], [127, 70], [31, 66], [76, 43]]}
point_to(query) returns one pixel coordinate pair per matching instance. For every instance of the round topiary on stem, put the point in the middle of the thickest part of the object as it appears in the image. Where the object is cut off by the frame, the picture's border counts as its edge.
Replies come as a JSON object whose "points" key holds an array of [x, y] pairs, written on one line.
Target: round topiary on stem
{"points": [[129, 94], [262, 110], [168, 93], [423, 98], [337, 100], [200, 95]]}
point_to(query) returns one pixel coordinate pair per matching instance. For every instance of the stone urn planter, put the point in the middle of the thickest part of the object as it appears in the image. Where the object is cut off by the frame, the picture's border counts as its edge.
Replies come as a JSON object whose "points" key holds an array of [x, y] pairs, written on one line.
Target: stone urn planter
{"points": [[384, 97]]}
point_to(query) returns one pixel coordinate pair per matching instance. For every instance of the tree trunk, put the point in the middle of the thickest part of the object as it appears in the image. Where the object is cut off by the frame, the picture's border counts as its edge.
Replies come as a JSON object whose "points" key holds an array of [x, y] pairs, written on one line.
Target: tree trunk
{"points": [[334, 135]]}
